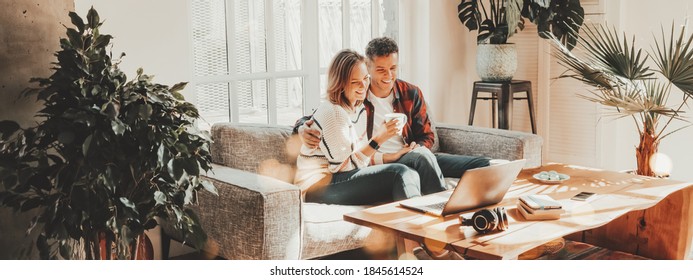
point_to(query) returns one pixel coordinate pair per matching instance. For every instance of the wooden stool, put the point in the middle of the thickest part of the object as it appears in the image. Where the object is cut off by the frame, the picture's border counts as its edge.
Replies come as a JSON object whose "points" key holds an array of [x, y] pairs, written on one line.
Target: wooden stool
{"points": [[504, 93]]}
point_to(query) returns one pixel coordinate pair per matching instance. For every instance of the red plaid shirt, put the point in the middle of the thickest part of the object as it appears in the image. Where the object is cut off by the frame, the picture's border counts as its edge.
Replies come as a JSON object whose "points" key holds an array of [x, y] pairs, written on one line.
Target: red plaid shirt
{"points": [[409, 101]]}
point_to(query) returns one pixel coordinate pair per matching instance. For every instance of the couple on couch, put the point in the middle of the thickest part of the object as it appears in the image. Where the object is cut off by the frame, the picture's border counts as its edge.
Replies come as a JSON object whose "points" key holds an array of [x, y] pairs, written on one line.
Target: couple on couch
{"points": [[352, 154]]}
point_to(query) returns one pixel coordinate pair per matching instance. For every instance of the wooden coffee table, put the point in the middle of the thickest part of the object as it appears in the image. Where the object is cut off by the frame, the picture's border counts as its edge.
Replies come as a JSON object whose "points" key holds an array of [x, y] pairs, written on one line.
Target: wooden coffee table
{"points": [[639, 215]]}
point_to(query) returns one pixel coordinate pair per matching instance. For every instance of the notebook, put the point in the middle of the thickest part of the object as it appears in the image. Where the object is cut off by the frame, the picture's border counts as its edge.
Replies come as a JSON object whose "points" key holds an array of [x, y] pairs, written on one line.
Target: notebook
{"points": [[534, 215], [477, 188], [540, 202]]}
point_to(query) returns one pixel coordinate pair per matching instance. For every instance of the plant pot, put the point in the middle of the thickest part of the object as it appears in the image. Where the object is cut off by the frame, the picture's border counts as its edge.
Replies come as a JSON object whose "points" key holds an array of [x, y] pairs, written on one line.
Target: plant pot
{"points": [[496, 62]]}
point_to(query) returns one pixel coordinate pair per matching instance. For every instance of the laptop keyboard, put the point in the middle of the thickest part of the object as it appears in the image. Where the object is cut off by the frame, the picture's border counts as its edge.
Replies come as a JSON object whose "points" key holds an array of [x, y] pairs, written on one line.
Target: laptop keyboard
{"points": [[437, 206]]}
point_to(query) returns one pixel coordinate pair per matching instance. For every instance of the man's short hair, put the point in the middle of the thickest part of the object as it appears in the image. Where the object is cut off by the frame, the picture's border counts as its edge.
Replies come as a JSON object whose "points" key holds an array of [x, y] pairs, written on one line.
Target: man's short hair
{"points": [[382, 46]]}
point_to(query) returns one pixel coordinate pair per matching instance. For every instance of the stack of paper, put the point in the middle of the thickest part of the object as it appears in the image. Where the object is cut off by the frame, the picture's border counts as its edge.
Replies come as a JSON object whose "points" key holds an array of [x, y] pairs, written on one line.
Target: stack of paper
{"points": [[539, 207]]}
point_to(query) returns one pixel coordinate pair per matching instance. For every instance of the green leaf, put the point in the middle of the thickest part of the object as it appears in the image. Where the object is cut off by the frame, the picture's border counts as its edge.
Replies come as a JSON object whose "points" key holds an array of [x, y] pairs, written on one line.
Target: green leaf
{"points": [[93, 18], [199, 237], [25, 174], [160, 198], [110, 110], [191, 166], [118, 127], [66, 137], [178, 95], [86, 145], [467, 12], [77, 21], [178, 87], [31, 204], [65, 43], [145, 111], [208, 186], [160, 154], [182, 148], [74, 36], [129, 204], [155, 97], [175, 168], [102, 41], [675, 59]]}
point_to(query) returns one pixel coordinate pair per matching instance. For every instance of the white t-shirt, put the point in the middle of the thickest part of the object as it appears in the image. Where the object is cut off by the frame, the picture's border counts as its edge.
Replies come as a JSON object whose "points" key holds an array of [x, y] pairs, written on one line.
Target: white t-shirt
{"points": [[381, 107]]}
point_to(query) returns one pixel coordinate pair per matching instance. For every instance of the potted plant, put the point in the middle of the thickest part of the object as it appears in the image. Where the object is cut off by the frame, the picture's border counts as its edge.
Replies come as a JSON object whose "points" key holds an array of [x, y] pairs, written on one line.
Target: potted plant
{"points": [[497, 20], [108, 156], [621, 79]]}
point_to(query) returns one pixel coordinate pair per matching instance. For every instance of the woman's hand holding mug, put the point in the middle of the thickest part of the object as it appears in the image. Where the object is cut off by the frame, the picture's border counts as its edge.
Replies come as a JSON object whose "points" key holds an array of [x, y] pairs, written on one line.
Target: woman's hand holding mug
{"points": [[387, 130]]}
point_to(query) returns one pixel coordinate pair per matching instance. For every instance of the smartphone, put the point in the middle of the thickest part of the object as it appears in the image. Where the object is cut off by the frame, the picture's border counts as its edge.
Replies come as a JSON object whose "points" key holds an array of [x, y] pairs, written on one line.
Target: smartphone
{"points": [[582, 196]]}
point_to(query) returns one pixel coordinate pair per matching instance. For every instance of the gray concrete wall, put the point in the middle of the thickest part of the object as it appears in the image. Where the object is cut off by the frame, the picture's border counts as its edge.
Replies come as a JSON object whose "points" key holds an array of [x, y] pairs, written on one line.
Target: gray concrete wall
{"points": [[29, 36]]}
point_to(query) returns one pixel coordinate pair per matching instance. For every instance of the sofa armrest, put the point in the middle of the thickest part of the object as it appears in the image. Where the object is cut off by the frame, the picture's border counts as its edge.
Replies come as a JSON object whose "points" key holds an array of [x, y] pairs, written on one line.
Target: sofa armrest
{"points": [[493, 143], [254, 216]]}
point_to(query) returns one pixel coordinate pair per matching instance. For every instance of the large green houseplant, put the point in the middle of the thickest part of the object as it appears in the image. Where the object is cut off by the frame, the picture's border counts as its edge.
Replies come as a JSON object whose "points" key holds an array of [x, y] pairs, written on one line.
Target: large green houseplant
{"points": [[498, 20], [107, 157], [621, 79]]}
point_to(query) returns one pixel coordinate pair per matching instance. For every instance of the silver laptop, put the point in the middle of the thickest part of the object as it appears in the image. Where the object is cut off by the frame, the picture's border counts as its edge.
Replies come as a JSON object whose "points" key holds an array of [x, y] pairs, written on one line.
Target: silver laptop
{"points": [[477, 188]]}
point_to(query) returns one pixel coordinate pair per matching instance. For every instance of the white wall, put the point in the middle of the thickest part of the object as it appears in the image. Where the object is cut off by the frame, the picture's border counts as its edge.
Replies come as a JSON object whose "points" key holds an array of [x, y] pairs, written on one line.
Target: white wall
{"points": [[415, 44], [438, 55], [453, 61]]}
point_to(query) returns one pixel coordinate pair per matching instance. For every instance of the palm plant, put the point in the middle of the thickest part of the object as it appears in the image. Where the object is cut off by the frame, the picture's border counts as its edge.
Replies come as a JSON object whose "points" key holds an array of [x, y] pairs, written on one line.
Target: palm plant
{"points": [[622, 80]]}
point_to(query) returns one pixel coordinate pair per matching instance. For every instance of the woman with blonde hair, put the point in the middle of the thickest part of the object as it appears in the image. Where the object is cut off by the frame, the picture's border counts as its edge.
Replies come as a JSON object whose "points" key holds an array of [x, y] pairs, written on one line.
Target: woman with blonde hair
{"points": [[338, 171]]}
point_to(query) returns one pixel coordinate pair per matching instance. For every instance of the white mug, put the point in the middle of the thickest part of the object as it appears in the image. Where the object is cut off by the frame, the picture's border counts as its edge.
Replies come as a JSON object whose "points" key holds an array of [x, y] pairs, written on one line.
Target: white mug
{"points": [[399, 116]]}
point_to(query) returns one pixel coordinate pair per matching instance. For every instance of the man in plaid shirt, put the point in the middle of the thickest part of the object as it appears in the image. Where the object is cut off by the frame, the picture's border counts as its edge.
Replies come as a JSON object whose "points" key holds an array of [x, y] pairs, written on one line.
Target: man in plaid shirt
{"points": [[387, 94]]}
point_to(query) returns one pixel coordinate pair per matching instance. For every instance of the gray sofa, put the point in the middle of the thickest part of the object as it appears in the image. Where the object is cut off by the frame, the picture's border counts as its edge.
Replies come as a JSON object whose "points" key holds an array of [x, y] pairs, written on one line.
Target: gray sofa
{"points": [[259, 214]]}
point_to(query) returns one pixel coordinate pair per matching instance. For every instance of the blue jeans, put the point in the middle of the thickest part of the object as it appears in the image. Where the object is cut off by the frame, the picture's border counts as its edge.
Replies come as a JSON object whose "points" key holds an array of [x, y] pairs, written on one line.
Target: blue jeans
{"points": [[432, 168], [425, 163], [455, 165], [371, 185]]}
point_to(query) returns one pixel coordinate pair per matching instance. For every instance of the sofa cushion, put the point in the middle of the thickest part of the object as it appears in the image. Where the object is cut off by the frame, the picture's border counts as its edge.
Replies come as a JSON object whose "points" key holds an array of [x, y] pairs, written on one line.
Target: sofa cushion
{"points": [[325, 232], [263, 149]]}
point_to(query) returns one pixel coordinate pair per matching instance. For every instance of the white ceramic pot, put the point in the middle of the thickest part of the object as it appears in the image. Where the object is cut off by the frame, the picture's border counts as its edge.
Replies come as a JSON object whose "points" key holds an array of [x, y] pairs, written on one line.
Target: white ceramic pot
{"points": [[496, 62]]}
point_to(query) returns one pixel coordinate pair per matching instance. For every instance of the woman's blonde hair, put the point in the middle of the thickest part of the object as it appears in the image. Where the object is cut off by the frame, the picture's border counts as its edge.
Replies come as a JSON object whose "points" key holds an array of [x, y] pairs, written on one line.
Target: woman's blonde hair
{"points": [[339, 74]]}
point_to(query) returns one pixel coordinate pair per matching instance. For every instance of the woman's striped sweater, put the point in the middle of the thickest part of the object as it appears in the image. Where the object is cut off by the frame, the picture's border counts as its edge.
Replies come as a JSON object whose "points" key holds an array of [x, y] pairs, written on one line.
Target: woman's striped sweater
{"points": [[339, 148]]}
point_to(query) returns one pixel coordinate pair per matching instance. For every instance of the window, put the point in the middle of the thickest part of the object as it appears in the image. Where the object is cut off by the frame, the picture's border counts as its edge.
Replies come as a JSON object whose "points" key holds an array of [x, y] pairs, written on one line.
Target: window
{"points": [[265, 61]]}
